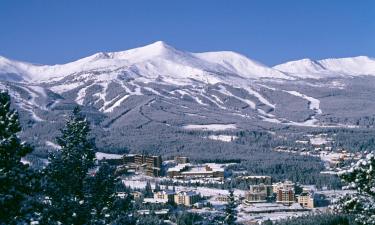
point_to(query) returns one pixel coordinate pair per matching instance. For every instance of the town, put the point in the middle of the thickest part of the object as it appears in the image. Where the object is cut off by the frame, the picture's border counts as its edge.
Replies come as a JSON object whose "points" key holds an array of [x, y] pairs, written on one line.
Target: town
{"points": [[178, 182]]}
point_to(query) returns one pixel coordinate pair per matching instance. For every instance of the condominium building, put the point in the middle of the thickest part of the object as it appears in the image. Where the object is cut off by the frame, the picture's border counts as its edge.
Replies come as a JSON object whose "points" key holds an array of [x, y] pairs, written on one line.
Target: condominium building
{"points": [[153, 165], [285, 192], [187, 198], [285, 185], [222, 198], [209, 170], [306, 200], [150, 164], [164, 196], [136, 194], [129, 158], [258, 193], [285, 196]]}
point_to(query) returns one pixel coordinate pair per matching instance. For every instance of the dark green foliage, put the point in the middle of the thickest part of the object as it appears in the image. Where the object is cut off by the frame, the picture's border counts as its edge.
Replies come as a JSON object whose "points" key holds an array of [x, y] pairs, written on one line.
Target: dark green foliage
{"points": [[157, 187], [124, 219], [281, 166], [66, 174], [149, 220], [100, 194], [186, 218], [230, 210], [148, 190], [360, 177], [18, 183]]}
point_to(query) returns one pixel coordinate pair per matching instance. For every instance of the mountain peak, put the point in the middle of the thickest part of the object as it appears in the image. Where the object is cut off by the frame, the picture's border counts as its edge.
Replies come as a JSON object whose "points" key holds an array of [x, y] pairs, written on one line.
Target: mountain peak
{"points": [[155, 49], [159, 44]]}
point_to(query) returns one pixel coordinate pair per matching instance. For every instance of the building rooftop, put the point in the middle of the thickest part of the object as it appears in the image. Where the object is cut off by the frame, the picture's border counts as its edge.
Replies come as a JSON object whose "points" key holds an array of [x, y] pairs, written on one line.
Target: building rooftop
{"points": [[197, 168], [187, 193], [179, 167], [167, 192]]}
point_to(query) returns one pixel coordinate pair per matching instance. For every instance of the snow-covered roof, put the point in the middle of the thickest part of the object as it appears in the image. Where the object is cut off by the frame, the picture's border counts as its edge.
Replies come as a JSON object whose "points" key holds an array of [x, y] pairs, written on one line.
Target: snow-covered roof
{"points": [[166, 192], [198, 168], [179, 167], [154, 200], [102, 155], [187, 193]]}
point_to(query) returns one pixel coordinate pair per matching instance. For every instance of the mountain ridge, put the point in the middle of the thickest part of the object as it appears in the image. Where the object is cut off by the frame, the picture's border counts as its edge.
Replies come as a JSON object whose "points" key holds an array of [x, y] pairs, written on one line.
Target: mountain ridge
{"points": [[155, 56]]}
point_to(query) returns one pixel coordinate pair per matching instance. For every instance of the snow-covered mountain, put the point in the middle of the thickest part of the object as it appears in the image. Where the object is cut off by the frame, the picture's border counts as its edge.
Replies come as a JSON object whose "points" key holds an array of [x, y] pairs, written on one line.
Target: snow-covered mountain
{"points": [[151, 61], [307, 68], [160, 59], [158, 88]]}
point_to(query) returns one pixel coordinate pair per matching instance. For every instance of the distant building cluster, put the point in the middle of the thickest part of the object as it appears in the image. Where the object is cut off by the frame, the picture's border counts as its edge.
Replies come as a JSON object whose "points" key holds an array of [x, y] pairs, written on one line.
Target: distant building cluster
{"points": [[281, 192], [151, 165], [186, 198], [178, 168]]}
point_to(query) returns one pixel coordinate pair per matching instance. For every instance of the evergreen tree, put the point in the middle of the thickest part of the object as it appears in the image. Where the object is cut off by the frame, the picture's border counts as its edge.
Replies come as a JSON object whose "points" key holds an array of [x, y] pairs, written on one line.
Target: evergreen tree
{"points": [[230, 209], [148, 190], [157, 187], [66, 173], [361, 177], [18, 183], [149, 220], [100, 194]]}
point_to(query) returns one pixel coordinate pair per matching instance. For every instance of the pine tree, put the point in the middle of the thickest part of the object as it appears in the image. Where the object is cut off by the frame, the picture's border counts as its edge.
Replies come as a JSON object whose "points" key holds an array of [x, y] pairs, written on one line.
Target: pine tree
{"points": [[230, 209], [65, 175], [18, 183], [148, 190], [157, 187], [360, 177], [100, 194]]}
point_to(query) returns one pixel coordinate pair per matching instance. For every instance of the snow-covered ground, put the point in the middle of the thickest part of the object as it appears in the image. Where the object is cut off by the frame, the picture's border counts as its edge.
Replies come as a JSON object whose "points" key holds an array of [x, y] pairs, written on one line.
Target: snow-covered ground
{"points": [[210, 127], [224, 91], [318, 140], [140, 182], [53, 145], [258, 212], [102, 155], [222, 137], [307, 68], [314, 104]]}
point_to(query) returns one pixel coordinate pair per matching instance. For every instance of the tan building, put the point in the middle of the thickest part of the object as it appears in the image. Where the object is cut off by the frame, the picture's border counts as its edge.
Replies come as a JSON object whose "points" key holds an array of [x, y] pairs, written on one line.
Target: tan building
{"points": [[222, 198], [164, 196], [153, 165], [137, 194], [150, 164], [139, 159], [306, 200], [187, 198]]}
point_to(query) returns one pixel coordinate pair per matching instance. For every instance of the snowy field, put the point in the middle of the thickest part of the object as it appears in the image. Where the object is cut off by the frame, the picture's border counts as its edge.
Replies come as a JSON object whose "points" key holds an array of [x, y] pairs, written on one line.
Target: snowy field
{"points": [[102, 155], [221, 137], [210, 127]]}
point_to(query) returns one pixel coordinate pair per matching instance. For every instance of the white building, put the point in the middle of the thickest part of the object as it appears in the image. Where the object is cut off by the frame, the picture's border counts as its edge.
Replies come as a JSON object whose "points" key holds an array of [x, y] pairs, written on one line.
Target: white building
{"points": [[164, 196], [187, 198]]}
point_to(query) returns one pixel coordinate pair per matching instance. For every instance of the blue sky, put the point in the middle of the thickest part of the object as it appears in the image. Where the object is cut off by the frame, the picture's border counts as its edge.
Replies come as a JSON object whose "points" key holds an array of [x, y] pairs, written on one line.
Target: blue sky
{"points": [[270, 31]]}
